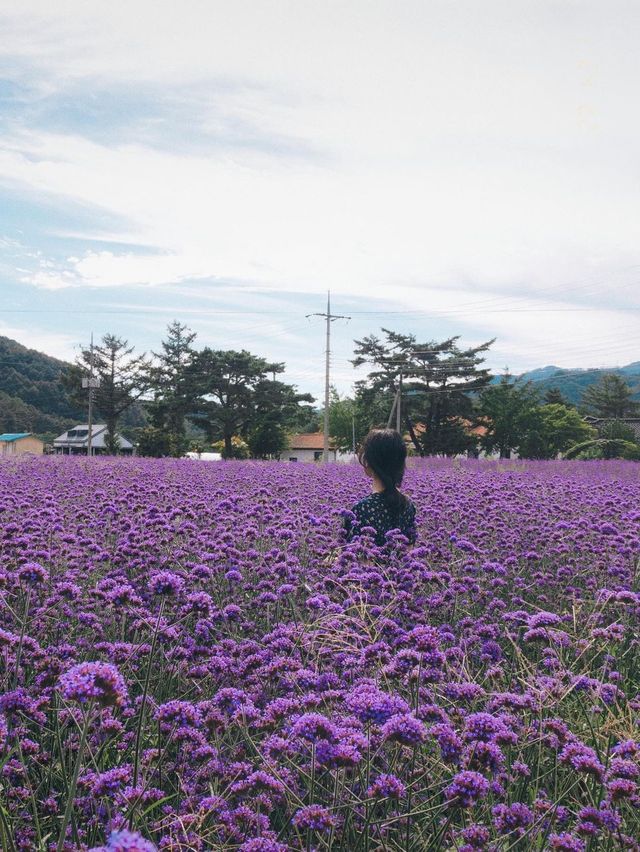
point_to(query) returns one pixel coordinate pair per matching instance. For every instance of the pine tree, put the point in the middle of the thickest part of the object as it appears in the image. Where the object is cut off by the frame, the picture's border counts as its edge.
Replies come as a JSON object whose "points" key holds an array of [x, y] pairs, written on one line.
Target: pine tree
{"points": [[225, 382], [174, 388], [276, 409], [507, 407], [438, 381], [553, 396], [123, 380], [610, 397]]}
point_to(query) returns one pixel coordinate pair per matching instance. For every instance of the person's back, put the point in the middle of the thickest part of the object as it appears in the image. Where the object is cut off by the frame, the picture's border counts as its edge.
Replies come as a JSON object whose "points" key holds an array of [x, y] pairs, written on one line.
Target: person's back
{"points": [[383, 456]]}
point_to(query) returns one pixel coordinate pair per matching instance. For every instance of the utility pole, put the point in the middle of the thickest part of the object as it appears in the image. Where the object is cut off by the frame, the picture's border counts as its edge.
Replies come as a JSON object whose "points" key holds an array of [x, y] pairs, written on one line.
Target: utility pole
{"points": [[396, 407], [329, 317], [90, 383]]}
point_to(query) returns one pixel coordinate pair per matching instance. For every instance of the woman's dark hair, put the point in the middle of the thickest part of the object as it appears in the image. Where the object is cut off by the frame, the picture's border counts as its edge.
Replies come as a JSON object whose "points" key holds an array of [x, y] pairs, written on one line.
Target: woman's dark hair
{"points": [[384, 451]]}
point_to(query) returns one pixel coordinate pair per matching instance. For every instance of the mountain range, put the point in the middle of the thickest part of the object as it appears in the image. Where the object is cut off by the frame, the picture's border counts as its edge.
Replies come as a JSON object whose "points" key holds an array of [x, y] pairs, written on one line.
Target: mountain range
{"points": [[573, 383], [34, 399]]}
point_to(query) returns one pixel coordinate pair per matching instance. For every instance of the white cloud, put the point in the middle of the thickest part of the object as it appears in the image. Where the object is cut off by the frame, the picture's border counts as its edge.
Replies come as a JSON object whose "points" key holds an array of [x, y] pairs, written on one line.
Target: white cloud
{"points": [[436, 154], [33, 336]]}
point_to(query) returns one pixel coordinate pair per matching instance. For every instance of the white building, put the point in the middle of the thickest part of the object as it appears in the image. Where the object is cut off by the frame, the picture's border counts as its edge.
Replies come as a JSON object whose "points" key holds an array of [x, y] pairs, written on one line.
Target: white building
{"points": [[204, 456], [309, 448], [74, 441]]}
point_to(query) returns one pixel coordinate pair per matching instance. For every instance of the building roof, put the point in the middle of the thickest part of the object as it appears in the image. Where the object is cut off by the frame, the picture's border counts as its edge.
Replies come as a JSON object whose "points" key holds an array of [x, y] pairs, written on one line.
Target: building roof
{"points": [[77, 437], [480, 429], [311, 441], [632, 422], [14, 436]]}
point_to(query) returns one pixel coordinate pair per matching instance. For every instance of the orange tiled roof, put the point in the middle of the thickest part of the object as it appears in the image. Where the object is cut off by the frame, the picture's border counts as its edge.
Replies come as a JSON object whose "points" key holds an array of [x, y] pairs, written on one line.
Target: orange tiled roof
{"points": [[312, 441], [479, 430]]}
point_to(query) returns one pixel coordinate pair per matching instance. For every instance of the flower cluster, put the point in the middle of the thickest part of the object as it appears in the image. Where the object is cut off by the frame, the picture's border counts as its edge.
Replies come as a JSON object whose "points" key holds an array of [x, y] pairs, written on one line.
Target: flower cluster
{"points": [[99, 682], [225, 671]]}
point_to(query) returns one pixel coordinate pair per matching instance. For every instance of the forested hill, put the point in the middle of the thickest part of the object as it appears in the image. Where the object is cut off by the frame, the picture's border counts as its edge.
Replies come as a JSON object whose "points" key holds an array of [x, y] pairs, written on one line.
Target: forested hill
{"points": [[32, 397], [573, 383]]}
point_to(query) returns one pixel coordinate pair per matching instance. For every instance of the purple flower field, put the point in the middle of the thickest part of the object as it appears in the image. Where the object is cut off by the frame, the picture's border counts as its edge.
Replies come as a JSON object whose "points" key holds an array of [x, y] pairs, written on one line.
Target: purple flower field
{"points": [[192, 659]]}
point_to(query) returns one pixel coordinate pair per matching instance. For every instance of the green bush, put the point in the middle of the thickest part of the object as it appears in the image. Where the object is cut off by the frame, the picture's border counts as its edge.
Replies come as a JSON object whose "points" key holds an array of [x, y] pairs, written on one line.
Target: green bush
{"points": [[605, 448]]}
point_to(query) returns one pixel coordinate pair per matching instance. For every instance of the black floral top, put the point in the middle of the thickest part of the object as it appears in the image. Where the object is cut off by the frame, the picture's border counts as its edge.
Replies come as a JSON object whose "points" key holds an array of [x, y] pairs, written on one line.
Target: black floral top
{"points": [[373, 512]]}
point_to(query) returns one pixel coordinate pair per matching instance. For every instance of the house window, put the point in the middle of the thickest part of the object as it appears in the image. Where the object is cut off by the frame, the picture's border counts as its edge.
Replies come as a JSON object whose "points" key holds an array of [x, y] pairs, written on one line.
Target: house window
{"points": [[293, 458], [317, 455]]}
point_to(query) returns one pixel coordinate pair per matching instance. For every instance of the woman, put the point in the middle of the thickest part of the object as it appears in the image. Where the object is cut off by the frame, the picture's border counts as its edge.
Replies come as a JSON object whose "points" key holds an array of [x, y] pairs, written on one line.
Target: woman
{"points": [[383, 456]]}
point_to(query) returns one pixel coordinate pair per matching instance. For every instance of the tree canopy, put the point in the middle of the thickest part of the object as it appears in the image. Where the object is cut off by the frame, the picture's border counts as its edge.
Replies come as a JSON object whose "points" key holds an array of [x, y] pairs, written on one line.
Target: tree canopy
{"points": [[174, 391], [610, 397], [506, 407], [238, 394], [517, 422], [123, 376], [439, 380]]}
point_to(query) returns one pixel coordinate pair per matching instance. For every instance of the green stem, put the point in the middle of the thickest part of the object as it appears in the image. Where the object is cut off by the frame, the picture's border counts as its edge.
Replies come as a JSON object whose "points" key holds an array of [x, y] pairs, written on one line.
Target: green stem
{"points": [[23, 629], [145, 690], [6, 832], [74, 781]]}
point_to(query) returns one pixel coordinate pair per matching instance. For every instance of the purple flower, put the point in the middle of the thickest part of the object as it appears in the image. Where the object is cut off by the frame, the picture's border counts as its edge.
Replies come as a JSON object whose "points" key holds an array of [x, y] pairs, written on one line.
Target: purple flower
{"points": [[260, 781], [591, 821], [404, 728], [178, 714], [315, 818], [450, 743], [467, 788], [7, 638], [515, 817], [582, 758], [566, 842], [100, 682], [483, 756], [33, 574], [262, 844], [166, 583], [370, 704], [543, 619], [622, 788], [475, 836], [487, 728], [386, 787], [108, 783], [313, 727], [626, 748], [126, 841]]}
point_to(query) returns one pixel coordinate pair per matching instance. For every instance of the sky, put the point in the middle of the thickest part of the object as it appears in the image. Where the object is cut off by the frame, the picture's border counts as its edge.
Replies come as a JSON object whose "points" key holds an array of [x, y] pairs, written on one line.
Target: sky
{"points": [[444, 167]]}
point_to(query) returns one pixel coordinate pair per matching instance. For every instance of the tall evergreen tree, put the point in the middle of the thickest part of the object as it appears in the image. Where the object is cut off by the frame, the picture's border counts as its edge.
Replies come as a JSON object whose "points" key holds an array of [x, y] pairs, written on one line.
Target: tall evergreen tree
{"points": [[553, 396], [174, 387], [225, 382], [123, 379], [506, 407], [610, 397], [277, 408], [438, 381]]}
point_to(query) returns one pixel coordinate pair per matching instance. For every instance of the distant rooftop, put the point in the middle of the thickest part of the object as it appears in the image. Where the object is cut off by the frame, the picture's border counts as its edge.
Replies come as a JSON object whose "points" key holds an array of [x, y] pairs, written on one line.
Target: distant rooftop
{"points": [[14, 436], [310, 441], [77, 437]]}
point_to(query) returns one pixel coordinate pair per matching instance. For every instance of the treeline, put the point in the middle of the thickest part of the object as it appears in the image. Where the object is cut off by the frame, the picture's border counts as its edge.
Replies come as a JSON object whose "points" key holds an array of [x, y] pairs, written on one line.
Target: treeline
{"points": [[18, 416], [32, 395], [184, 397], [227, 396], [452, 405]]}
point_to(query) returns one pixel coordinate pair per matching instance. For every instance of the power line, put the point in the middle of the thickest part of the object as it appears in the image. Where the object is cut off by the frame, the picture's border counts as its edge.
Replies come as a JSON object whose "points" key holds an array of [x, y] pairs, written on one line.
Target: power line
{"points": [[329, 317], [400, 312]]}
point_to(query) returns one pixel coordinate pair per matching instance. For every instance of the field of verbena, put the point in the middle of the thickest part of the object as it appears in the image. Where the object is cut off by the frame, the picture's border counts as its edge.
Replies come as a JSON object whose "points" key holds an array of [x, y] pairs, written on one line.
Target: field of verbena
{"points": [[190, 659]]}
